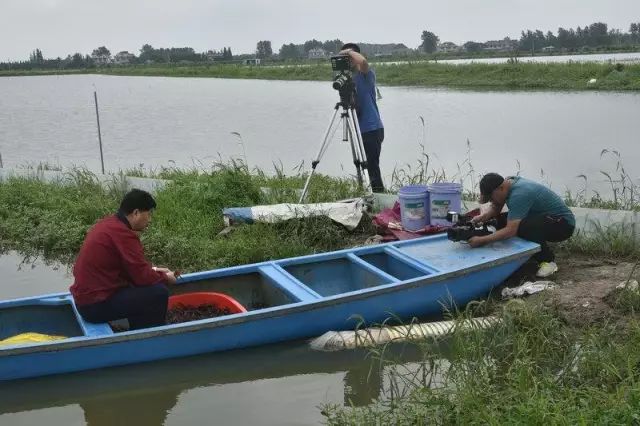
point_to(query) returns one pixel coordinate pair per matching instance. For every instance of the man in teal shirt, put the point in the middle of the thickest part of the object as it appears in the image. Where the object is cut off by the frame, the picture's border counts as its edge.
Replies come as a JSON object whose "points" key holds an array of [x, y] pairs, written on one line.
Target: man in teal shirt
{"points": [[536, 213]]}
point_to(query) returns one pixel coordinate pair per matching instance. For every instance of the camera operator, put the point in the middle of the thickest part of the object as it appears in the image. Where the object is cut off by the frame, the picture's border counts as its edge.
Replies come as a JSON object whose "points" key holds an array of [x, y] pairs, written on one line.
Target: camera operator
{"points": [[535, 213], [368, 114]]}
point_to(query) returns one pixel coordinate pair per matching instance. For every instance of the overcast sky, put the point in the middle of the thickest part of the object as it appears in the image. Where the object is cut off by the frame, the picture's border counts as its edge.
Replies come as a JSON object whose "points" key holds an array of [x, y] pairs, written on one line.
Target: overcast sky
{"points": [[60, 27]]}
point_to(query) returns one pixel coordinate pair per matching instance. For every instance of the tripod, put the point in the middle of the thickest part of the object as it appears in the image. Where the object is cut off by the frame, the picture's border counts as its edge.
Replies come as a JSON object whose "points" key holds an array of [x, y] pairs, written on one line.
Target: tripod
{"points": [[350, 133]]}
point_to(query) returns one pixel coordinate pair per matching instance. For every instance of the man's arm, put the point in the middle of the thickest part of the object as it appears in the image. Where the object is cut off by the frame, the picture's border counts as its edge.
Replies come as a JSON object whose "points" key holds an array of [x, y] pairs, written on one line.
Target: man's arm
{"points": [[137, 266], [493, 211], [357, 59], [511, 230]]}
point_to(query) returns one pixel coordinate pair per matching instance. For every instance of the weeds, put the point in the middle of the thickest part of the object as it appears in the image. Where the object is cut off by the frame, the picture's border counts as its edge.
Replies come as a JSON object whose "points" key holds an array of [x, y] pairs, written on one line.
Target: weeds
{"points": [[530, 368], [51, 219]]}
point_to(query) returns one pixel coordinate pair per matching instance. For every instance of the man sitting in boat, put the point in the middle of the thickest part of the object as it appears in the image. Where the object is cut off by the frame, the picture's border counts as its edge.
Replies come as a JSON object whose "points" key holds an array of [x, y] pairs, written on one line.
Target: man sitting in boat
{"points": [[536, 213], [112, 277]]}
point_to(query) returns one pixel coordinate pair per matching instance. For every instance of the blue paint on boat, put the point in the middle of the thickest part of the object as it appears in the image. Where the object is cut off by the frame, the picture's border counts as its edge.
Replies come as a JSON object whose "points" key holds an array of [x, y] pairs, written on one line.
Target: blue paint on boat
{"points": [[286, 299]]}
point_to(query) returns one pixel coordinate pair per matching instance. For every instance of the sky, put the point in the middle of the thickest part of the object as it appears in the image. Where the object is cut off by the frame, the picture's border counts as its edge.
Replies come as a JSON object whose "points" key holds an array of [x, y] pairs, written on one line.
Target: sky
{"points": [[60, 27]]}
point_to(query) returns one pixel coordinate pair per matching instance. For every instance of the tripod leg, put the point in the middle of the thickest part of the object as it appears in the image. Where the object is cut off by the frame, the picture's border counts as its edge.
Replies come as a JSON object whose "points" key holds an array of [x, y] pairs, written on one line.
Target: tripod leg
{"points": [[357, 148], [321, 151], [354, 153], [363, 153]]}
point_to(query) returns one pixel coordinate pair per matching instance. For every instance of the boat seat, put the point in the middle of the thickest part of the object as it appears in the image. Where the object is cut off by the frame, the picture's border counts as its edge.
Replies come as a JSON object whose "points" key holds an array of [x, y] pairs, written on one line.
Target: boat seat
{"points": [[288, 283], [89, 328]]}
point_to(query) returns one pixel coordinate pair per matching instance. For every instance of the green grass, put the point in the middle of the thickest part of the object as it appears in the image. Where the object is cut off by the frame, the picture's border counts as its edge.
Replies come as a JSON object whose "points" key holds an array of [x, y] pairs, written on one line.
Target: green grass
{"points": [[530, 369], [507, 76], [46, 220]]}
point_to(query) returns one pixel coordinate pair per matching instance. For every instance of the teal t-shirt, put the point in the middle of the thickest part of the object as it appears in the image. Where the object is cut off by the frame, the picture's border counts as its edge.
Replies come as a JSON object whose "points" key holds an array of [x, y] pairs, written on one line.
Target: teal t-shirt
{"points": [[529, 198]]}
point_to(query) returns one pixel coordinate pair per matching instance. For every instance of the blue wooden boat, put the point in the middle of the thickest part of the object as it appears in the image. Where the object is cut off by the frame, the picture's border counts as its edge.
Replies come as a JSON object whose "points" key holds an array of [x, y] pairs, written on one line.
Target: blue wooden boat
{"points": [[286, 299]]}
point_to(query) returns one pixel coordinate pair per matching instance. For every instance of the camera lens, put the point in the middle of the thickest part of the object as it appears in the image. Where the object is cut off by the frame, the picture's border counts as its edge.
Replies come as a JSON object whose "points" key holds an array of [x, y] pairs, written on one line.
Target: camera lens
{"points": [[339, 81]]}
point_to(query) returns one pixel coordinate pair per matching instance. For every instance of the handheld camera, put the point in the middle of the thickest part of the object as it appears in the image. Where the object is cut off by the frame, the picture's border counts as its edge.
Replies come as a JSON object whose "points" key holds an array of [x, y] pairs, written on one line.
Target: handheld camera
{"points": [[464, 229]]}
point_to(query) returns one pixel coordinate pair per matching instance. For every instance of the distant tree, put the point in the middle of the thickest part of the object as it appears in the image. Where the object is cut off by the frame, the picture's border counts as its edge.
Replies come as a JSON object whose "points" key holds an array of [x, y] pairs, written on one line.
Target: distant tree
{"points": [[263, 49], [76, 61], [311, 44], [429, 42], [36, 57], [473, 47], [566, 38], [101, 51], [289, 51], [226, 53], [598, 34], [146, 53], [634, 31], [551, 39], [332, 45]]}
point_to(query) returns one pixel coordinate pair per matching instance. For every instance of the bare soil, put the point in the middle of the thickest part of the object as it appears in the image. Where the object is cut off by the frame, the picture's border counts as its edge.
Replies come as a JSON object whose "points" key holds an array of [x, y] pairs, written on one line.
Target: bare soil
{"points": [[582, 287]]}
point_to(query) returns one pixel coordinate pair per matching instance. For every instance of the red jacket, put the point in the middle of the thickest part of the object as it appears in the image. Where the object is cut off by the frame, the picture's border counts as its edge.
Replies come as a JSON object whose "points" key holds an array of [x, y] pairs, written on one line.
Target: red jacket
{"points": [[111, 257]]}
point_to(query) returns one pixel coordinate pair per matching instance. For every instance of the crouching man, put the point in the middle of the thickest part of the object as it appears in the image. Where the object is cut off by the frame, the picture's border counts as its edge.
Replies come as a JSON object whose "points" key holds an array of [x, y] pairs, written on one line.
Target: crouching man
{"points": [[535, 213], [112, 278]]}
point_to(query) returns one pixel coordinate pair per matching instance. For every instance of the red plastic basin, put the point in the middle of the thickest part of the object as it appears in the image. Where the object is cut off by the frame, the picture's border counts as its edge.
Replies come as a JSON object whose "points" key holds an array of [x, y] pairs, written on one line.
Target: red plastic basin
{"points": [[218, 300]]}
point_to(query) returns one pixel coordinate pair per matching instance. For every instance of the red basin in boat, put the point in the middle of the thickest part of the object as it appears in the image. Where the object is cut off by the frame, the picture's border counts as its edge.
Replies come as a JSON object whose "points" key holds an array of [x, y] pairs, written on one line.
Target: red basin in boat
{"points": [[207, 298]]}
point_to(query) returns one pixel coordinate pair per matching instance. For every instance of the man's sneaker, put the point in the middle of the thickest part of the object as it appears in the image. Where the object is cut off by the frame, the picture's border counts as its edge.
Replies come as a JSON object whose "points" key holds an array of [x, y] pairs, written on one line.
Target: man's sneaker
{"points": [[546, 269]]}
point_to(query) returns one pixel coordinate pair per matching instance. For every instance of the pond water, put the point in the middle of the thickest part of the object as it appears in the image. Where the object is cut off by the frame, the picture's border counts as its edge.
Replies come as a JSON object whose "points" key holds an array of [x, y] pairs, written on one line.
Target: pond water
{"points": [[157, 121]]}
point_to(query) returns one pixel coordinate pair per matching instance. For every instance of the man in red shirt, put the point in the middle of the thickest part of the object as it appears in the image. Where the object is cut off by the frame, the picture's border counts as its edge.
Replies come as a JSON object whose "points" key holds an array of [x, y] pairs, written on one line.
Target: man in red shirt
{"points": [[112, 277]]}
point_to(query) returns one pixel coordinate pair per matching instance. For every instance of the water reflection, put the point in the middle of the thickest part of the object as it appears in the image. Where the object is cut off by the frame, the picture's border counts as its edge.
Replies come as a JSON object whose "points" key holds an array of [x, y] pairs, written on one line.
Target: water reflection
{"points": [[276, 384]]}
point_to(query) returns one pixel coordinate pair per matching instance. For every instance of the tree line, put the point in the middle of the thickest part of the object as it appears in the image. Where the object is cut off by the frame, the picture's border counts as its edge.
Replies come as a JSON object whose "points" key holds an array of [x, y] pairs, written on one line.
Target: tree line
{"points": [[595, 35], [103, 56]]}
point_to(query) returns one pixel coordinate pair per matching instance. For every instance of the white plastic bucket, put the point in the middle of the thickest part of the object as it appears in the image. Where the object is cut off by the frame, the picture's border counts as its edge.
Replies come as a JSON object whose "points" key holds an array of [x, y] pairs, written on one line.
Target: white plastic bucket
{"points": [[443, 198], [414, 207]]}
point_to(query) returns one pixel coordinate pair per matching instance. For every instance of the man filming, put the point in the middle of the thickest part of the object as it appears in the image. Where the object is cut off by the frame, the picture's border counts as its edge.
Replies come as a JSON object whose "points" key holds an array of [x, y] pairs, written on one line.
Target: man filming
{"points": [[535, 213], [368, 114]]}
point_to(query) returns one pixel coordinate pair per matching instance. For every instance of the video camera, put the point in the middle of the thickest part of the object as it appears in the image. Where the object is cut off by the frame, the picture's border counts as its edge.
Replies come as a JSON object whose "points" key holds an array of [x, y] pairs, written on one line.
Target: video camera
{"points": [[464, 229], [341, 66]]}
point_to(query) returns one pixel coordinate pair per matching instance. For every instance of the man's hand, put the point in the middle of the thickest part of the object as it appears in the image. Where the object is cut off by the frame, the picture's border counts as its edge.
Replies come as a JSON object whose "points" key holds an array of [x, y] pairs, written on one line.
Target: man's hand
{"points": [[171, 277], [159, 269], [477, 242]]}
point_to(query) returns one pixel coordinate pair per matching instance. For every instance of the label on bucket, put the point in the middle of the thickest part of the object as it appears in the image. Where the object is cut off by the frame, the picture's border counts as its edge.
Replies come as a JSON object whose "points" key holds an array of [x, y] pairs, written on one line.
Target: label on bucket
{"points": [[439, 209], [414, 211]]}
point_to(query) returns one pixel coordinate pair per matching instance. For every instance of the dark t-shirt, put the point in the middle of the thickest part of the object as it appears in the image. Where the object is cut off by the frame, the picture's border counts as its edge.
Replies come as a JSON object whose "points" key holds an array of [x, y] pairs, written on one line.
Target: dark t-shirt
{"points": [[529, 198]]}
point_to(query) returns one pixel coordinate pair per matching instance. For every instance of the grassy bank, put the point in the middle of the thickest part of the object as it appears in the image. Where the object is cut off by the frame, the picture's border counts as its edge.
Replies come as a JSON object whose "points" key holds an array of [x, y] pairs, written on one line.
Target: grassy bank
{"points": [[50, 220], [534, 367], [508, 76], [531, 369]]}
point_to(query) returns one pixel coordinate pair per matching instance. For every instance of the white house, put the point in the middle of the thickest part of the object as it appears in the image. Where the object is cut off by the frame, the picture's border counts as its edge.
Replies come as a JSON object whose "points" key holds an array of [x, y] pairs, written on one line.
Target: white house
{"points": [[123, 58], [101, 59], [500, 45], [448, 46], [213, 55], [317, 53]]}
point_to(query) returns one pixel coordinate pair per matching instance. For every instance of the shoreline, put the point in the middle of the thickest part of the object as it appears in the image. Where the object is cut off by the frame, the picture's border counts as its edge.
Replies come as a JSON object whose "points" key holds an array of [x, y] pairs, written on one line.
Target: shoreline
{"points": [[575, 76]]}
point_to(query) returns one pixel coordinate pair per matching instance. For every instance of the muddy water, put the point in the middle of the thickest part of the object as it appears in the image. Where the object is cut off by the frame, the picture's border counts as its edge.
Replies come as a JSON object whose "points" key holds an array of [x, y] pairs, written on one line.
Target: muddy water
{"points": [[273, 385], [157, 121]]}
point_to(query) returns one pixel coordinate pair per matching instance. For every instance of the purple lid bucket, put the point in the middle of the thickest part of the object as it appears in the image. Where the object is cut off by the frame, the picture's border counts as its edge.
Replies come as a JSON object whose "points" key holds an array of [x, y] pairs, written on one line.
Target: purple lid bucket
{"points": [[443, 198]]}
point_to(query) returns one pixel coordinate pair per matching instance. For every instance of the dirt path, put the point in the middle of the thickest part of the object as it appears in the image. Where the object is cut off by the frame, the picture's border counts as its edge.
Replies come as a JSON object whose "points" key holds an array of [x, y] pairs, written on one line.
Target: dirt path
{"points": [[583, 285]]}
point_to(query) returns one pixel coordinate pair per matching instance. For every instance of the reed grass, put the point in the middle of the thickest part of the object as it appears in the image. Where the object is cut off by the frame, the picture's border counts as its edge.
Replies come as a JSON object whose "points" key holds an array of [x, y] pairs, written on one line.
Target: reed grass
{"points": [[531, 368], [50, 220]]}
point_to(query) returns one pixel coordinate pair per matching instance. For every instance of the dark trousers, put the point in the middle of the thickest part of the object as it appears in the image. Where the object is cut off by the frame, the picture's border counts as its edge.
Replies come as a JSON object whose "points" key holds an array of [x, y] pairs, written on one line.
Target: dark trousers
{"points": [[542, 229], [372, 142], [143, 306]]}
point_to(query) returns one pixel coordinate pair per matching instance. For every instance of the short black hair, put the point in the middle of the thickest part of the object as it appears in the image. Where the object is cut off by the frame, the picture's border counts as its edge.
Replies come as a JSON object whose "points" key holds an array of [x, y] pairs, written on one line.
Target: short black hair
{"points": [[137, 199], [488, 184], [351, 46]]}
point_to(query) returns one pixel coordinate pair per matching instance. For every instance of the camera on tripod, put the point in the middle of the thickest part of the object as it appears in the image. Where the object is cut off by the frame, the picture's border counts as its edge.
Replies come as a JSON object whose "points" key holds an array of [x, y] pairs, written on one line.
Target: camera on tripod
{"points": [[341, 65], [464, 229]]}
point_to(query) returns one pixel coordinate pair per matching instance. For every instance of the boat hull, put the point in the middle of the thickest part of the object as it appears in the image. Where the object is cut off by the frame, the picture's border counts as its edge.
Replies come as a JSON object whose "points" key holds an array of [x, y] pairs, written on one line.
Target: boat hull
{"points": [[306, 313]]}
